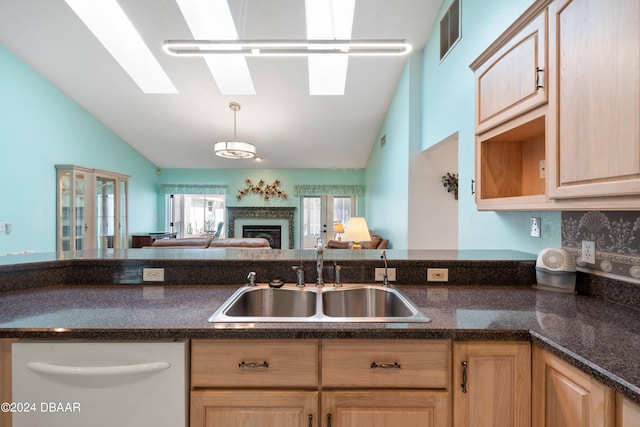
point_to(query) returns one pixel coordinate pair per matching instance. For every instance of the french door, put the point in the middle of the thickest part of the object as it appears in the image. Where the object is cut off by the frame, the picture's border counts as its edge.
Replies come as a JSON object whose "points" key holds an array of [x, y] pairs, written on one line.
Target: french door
{"points": [[320, 214]]}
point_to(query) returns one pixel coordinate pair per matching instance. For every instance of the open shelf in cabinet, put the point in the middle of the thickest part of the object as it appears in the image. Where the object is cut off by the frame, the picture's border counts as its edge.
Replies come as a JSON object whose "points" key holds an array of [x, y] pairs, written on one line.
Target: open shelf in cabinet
{"points": [[512, 160]]}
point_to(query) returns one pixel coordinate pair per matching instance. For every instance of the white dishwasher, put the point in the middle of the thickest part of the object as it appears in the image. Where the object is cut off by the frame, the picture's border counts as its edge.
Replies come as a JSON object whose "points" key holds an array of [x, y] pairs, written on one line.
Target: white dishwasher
{"points": [[79, 383]]}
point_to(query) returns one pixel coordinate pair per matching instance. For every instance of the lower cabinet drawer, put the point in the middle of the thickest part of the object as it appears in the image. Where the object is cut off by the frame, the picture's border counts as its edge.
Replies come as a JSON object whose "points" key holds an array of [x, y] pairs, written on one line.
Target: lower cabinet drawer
{"points": [[254, 363], [386, 363]]}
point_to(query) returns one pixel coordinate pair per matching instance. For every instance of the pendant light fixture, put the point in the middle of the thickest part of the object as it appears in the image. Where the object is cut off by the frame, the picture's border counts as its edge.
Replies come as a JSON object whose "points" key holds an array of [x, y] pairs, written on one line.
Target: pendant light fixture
{"points": [[234, 149]]}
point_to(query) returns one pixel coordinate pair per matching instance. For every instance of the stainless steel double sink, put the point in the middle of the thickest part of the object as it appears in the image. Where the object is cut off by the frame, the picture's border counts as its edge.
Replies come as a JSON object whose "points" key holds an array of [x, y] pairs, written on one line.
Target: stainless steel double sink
{"points": [[349, 303]]}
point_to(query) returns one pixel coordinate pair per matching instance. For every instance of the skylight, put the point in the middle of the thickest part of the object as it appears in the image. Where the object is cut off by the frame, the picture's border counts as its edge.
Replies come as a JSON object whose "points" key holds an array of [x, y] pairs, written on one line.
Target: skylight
{"points": [[111, 26], [328, 19], [211, 19]]}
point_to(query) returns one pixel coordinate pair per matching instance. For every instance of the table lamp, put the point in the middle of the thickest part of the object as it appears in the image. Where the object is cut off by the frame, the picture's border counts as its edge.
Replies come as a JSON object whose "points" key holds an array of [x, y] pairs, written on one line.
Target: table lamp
{"points": [[338, 229], [357, 231]]}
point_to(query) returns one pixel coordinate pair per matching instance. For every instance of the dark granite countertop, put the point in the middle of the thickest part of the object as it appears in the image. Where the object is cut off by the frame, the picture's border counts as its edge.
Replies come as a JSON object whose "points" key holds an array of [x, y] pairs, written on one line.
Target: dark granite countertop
{"points": [[600, 337]]}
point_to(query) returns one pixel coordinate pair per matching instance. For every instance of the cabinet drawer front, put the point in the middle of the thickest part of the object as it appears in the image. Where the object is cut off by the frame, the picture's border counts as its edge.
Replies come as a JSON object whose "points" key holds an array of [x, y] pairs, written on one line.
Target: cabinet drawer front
{"points": [[254, 363], [386, 363]]}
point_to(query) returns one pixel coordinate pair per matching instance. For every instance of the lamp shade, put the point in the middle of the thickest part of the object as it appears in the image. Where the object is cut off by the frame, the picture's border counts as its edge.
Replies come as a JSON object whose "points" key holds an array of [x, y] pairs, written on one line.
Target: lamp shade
{"points": [[338, 228], [357, 231]]}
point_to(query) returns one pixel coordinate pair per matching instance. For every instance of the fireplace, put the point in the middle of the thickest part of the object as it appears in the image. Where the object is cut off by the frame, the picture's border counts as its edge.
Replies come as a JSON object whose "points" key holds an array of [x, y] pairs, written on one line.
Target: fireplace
{"points": [[270, 232], [238, 216]]}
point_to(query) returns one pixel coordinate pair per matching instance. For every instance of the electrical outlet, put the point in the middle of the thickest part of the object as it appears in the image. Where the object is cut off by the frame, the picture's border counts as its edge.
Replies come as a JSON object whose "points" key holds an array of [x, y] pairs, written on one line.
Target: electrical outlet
{"points": [[543, 171], [391, 274], [153, 274], [437, 274], [589, 252], [534, 229]]}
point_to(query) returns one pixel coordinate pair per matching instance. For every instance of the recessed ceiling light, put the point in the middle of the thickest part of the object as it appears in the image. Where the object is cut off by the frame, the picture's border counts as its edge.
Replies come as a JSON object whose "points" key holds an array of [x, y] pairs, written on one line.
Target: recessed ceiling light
{"points": [[211, 19], [111, 26]]}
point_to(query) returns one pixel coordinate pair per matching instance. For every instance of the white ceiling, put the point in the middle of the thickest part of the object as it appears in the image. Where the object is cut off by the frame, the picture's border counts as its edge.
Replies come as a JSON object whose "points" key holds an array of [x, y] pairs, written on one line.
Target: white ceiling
{"points": [[290, 128]]}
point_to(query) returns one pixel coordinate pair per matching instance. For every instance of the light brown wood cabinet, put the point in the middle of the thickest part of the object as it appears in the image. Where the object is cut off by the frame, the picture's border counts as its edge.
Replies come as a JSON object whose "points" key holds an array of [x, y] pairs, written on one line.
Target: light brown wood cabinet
{"points": [[581, 149], [386, 383], [492, 384], [315, 382], [563, 395], [5, 378], [627, 412], [248, 382], [512, 81], [594, 98]]}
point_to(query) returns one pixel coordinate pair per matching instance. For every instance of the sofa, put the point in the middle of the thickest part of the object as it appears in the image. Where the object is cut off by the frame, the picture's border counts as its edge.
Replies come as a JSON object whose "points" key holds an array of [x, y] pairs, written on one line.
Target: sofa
{"points": [[211, 242], [377, 242]]}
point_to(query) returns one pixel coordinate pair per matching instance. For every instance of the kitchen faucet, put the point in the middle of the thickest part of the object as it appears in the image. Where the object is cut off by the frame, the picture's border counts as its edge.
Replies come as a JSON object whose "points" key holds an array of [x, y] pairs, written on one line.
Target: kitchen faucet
{"points": [[385, 278], [319, 261]]}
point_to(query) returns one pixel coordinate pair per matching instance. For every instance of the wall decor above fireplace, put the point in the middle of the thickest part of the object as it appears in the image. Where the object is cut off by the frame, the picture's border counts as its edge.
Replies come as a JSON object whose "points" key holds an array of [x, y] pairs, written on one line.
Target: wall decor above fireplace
{"points": [[262, 189]]}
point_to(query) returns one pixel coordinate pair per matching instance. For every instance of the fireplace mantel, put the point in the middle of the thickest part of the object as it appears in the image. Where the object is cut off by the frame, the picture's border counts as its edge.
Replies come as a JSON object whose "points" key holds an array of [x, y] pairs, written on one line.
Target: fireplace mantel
{"points": [[261, 212]]}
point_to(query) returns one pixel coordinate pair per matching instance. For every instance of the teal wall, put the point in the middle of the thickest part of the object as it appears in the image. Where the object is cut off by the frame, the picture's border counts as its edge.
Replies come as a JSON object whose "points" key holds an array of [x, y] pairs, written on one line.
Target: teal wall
{"points": [[235, 179], [386, 176], [447, 107], [39, 128]]}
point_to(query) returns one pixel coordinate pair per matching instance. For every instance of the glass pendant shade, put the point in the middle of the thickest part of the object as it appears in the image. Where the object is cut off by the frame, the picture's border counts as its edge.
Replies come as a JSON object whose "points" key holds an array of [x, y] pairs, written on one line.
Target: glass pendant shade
{"points": [[234, 150]]}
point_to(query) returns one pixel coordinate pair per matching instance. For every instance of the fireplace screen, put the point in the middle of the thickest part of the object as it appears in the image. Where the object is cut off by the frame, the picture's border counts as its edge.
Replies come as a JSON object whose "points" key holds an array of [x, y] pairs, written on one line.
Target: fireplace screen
{"points": [[270, 232]]}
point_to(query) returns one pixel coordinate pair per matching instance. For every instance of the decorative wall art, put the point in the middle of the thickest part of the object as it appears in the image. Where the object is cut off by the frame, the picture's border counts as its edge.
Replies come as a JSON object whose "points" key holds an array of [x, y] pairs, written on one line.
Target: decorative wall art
{"points": [[262, 189]]}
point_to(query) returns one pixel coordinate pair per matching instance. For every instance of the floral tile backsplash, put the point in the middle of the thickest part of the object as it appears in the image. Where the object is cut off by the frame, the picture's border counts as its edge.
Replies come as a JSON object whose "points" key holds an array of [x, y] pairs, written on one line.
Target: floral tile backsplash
{"points": [[617, 238]]}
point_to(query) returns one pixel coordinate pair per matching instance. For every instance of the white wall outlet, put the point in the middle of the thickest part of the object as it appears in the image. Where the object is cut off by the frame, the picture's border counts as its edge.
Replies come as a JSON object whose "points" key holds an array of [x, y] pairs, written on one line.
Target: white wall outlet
{"points": [[589, 252], [534, 226], [153, 274], [543, 170], [437, 274], [391, 274]]}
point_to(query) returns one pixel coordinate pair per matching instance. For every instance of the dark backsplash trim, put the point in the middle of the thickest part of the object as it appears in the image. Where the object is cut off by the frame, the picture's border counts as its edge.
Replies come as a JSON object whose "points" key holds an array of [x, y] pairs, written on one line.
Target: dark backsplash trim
{"points": [[206, 272]]}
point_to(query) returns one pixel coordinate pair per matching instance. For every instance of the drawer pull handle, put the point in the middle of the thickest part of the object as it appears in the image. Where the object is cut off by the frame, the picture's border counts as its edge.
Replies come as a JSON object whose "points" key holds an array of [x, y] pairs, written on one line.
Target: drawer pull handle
{"points": [[310, 420], [395, 365], [464, 377], [244, 364], [328, 420]]}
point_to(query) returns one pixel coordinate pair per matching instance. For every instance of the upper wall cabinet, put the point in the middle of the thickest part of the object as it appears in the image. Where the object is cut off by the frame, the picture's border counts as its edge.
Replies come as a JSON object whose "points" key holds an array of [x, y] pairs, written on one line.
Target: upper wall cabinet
{"points": [[512, 80], [581, 149], [511, 113], [594, 61]]}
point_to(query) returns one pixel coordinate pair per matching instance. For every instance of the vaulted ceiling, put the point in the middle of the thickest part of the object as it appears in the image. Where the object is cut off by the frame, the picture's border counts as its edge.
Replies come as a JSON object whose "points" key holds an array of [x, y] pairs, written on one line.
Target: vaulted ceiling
{"points": [[290, 127]]}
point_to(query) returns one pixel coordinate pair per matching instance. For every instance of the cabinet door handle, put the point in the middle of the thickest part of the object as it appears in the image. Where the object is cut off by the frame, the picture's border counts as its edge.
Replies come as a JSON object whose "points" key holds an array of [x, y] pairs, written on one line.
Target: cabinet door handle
{"points": [[473, 187], [310, 420], [464, 377], [395, 365], [328, 420], [244, 364], [538, 71]]}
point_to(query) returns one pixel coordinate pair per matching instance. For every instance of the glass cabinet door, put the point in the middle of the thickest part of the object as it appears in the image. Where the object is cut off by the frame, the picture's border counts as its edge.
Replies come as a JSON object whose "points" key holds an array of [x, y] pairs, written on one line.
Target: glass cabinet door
{"points": [[123, 238], [91, 209], [105, 212], [72, 226]]}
